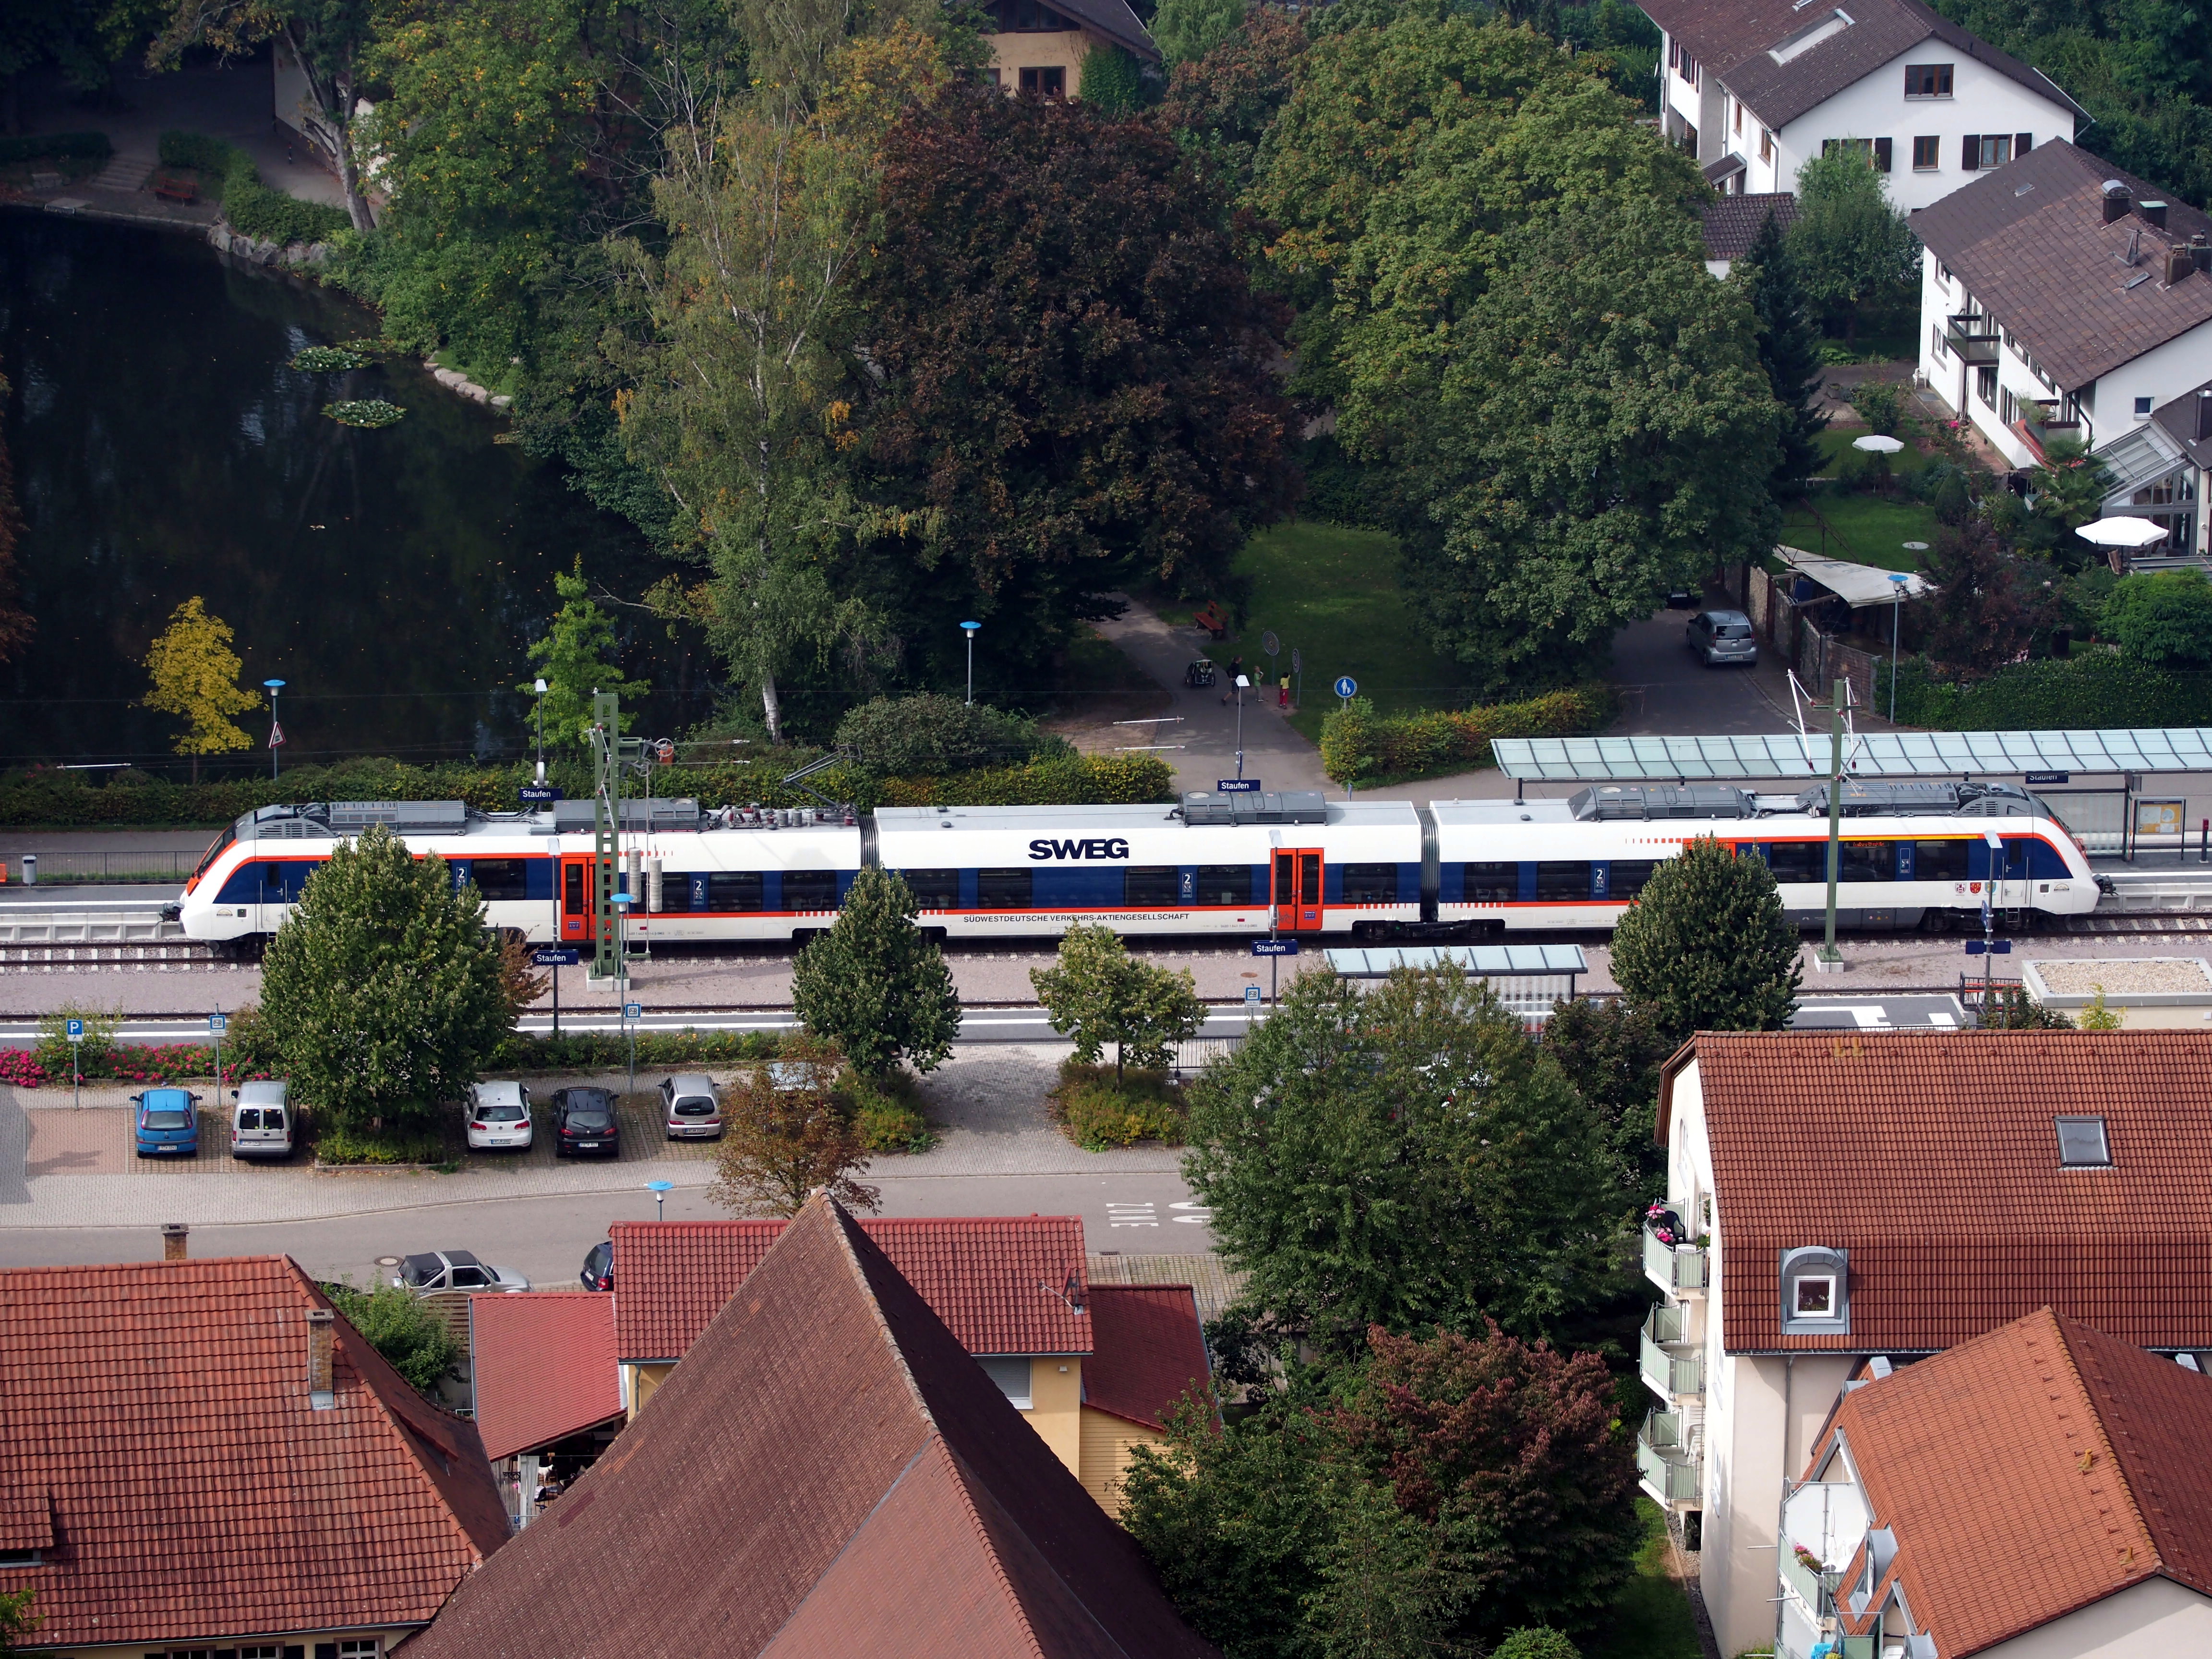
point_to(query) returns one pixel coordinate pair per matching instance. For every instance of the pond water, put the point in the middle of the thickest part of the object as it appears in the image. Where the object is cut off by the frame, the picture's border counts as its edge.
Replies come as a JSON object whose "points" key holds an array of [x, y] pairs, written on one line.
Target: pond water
{"points": [[164, 448]]}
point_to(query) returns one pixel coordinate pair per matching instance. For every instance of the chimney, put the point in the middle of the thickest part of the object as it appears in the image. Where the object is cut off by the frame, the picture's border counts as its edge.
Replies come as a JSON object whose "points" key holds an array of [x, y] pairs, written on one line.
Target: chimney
{"points": [[322, 1388], [2204, 427], [2153, 213], [173, 1240], [2200, 252], [2179, 264], [2116, 200]]}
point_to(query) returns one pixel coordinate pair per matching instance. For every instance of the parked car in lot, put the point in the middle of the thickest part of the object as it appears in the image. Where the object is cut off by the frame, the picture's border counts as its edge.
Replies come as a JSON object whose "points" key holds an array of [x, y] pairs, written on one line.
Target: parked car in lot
{"points": [[499, 1117], [598, 1273], [1721, 637], [585, 1121], [453, 1270], [169, 1123], [260, 1121], [690, 1108]]}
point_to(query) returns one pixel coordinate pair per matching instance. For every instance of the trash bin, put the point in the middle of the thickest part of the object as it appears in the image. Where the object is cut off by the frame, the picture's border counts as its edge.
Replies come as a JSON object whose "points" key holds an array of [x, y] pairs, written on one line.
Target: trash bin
{"points": [[30, 869]]}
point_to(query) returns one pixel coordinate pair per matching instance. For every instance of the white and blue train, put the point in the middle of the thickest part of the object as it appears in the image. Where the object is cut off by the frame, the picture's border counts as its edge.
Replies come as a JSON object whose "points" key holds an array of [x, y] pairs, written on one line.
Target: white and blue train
{"points": [[1913, 855]]}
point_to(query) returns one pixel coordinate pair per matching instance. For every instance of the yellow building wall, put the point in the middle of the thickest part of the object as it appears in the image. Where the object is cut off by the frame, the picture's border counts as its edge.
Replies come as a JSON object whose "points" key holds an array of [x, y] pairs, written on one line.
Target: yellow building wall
{"points": [[639, 1383], [1107, 1441], [1062, 49], [1056, 1407]]}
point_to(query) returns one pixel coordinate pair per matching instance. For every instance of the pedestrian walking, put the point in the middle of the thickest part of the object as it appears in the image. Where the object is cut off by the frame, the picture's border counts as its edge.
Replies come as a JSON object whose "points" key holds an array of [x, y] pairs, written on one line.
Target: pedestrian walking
{"points": [[1235, 673], [1282, 692]]}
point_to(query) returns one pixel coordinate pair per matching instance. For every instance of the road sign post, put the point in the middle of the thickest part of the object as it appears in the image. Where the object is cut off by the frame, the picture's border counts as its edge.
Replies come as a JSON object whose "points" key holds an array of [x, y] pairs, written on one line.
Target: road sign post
{"points": [[1238, 785], [75, 1032], [632, 1012], [557, 958], [1275, 949], [218, 1023]]}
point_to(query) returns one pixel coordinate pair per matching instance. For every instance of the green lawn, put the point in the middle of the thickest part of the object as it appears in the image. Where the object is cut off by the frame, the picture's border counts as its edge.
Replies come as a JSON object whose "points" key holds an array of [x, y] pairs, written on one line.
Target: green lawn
{"points": [[1866, 529], [1652, 1620], [1333, 594]]}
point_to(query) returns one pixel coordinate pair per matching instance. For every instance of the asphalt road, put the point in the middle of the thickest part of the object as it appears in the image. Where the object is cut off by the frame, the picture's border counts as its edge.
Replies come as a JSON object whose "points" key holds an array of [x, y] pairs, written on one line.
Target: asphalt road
{"points": [[545, 1239]]}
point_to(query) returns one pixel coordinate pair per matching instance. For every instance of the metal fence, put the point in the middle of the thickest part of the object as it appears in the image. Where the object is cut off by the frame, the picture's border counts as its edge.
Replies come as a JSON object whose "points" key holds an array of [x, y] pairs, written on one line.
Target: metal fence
{"points": [[66, 869]]}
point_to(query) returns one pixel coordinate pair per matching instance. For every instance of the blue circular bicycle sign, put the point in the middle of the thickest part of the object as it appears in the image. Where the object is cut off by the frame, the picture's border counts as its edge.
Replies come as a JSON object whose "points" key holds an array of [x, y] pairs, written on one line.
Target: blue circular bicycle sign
{"points": [[1347, 686]]}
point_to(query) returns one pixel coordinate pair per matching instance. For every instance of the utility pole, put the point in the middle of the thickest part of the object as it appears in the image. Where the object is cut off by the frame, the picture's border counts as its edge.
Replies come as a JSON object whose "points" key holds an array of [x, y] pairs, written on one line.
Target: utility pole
{"points": [[604, 732], [1828, 959]]}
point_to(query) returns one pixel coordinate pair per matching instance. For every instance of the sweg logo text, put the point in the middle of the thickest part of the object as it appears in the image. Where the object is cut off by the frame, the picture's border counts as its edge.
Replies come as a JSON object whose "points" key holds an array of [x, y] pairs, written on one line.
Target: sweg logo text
{"points": [[1110, 848]]}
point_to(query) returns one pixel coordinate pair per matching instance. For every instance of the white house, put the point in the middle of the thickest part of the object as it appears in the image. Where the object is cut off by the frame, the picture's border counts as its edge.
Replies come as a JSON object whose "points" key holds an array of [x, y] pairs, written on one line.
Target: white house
{"points": [[1842, 1195], [2043, 1491], [1040, 48], [2064, 298], [1755, 89]]}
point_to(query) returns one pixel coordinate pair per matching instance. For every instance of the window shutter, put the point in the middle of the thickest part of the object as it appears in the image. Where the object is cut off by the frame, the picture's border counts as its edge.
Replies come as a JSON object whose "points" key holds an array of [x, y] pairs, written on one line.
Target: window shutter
{"points": [[2021, 143], [1969, 152], [1881, 153]]}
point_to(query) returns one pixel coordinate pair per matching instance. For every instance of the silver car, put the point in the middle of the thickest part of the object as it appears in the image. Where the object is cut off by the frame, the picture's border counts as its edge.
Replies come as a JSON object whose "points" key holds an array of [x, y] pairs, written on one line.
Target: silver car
{"points": [[454, 1270], [690, 1108], [1721, 637], [260, 1121]]}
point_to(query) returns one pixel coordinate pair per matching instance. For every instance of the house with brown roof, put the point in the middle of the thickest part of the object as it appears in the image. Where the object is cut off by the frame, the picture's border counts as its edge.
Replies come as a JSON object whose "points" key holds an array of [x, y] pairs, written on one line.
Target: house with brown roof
{"points": [[2042, 1490], [828, 1473], [545, 1388], [1732, 225], [1755, 89], [1040, 48], [1094, 1369], [200, 1456], [2065, 298], [1840, 1196]]}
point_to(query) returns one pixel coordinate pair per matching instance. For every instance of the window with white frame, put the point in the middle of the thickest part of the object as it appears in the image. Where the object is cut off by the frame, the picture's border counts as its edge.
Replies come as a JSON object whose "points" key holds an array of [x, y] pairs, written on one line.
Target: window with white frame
{"points": [[2142, 409], [1766, 145], [1985, 383], [266, 1650], [1011, 1373], [1814, 1296], [365, 1647]]}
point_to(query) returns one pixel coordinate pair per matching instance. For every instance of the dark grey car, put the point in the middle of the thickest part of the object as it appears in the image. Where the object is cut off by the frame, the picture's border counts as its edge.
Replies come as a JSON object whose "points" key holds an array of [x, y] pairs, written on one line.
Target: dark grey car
{"points": [[1721, 637]]}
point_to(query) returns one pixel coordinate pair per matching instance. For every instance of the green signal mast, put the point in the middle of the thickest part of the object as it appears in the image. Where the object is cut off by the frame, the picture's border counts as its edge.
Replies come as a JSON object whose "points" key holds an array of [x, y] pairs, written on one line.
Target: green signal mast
{"points": [[610, 749]]}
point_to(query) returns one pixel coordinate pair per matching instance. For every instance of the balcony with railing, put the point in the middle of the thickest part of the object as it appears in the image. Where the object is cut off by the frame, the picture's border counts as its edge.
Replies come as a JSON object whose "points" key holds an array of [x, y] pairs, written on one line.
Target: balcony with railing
{"points": [[1663, 1462], [1972, 336], [1673, 1267], [1672, 1367], [1817, 1590], [2044, 421]]}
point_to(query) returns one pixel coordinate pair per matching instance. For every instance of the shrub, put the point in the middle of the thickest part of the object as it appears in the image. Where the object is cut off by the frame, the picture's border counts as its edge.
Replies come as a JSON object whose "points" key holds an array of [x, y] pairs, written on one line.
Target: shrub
{"points": [[1359, 745], [658, 1051], [19, 1068], [888, 1115], [252, 208], [403, 1328], [95, 1054], [338, 1145], [57, 147], [2164, 620], [934, 732], [1880, 405], [2094, 688], [1099, 1112]]}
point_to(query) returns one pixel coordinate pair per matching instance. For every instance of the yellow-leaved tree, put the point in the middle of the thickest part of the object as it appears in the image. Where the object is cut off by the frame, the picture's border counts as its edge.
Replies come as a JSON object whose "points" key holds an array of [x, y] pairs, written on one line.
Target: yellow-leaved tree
{"points": [[195, 674]]}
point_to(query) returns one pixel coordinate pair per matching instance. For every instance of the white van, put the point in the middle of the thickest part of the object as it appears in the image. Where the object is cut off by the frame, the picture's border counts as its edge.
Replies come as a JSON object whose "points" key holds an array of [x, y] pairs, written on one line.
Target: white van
{"points": [[260, 1121]]}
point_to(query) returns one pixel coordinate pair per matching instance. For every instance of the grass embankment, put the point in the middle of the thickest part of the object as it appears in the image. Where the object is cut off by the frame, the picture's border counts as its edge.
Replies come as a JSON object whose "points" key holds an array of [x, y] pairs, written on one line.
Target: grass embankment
{"points": [[1866, 529], [1335, 595], [1652, 1620]]}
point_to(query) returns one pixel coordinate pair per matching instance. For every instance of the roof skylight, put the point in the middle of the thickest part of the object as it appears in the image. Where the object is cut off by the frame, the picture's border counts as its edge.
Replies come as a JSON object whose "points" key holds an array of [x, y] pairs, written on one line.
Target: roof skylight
{"points": [[2083, 1145]]}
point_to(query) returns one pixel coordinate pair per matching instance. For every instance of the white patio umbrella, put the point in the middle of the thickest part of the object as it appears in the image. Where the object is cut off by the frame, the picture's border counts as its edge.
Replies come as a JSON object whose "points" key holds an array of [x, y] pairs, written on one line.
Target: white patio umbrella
{"points": [[2122, 532], [1875, 444]]}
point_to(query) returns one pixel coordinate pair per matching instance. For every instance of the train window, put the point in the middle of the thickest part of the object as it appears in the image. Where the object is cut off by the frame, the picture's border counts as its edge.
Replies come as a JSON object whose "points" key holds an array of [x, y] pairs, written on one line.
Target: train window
{"points": [[1152, 884], [1309, 879], [1370, 884], [1628, 877], [1493, 884], [1563, 878], [1866, 860], [572, 889], [736, 889], [809, 889], [502, 878], [675, 892], [1002, 890], [1940, 861], [1225, 883], [934, 889], [1798, 861]]}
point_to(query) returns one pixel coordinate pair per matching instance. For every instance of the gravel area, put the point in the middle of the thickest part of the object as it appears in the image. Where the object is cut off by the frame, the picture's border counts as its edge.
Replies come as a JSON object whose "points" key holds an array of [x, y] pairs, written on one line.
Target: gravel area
{"points": [[2125, 976]]}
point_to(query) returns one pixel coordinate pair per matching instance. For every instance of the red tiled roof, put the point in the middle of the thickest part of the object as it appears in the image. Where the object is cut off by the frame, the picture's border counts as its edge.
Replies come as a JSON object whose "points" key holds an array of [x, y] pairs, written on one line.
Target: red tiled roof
{"points": [[155, 1421], [1003, 1284], [543, 1367], [2031, 1472], [1932, 1158], [1151, 1351], [828, 1473]]}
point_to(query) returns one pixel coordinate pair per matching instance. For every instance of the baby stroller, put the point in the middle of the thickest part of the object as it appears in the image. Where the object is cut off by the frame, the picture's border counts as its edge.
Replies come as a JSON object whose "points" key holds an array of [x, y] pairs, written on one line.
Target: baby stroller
{"points": [[1198, 674]]}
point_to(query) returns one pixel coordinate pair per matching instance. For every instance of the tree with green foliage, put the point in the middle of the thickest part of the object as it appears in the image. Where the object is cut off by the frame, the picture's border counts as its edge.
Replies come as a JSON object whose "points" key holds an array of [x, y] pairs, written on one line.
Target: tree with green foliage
{"points": [[932, 732], [576, 659], [1987, 607], [2164, 620], [1223, 104], [1854, 253], [417, 1343], [874, 985], [1706, 946], [1536, 1642], [18, 1620], [2069, 489], [1096, 993], [1789, 348], [787, 1134], [1186, 30], [1114, 82], [1403, 1157], [383, 991], [1611, 1052]]}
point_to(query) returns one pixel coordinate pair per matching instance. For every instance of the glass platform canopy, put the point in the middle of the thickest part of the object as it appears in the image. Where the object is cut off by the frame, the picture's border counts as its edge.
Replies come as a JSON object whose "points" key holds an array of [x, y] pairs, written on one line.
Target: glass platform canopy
{"points": [[1867, 754]]}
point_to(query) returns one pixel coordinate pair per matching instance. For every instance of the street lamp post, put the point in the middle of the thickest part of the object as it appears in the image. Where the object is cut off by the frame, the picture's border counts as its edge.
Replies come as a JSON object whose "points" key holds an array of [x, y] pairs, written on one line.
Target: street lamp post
{"points": [[276, 731], [969, 628], [540, 689], [1243, 681]]}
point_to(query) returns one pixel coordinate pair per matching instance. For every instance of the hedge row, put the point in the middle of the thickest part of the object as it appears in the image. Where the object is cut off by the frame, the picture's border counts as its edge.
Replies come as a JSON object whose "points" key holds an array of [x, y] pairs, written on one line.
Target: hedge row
{"points": [[1358, 745], [51, 799], [56, 145], [252, 208], [2094, 688]]}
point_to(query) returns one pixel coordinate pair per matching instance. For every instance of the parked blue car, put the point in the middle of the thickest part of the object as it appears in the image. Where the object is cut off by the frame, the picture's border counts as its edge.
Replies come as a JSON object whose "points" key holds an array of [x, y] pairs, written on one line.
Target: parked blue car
{"points": [[169, 1123]]}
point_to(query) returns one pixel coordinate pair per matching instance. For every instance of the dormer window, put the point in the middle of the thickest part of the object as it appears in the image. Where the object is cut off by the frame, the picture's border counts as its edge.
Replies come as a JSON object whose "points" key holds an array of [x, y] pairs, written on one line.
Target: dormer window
{"points": [[1816, 1292], [2082, 1143]]}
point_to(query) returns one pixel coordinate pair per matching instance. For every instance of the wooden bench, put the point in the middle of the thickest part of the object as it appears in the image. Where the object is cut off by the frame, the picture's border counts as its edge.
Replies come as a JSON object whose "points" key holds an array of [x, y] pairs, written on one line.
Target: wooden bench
{"points": [[176, 189], [1214, 619]]}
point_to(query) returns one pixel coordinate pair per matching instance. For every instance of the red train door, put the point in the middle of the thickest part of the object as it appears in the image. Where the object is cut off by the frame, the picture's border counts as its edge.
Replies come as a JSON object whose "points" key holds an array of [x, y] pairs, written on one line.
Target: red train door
{"points": [[1297, 890], [579, 919]]}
